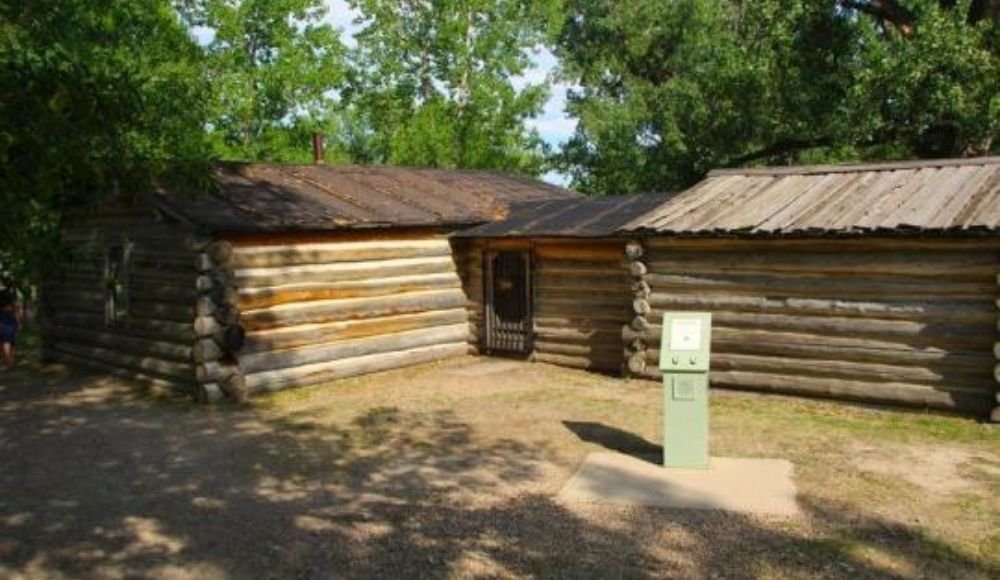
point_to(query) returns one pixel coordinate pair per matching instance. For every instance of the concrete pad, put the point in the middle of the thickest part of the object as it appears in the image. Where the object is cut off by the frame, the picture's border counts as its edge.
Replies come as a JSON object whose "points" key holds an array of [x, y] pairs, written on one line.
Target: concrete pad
{"points": [[758, 486]]}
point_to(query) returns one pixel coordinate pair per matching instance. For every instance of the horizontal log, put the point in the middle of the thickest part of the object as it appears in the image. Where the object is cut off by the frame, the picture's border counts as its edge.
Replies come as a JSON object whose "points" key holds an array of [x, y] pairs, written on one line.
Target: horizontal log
{"points": [[581, 252], [353, 348], [971, 337], [110, 339], [134, 377], [600, 303], [847, 370], [614, 286], [598, 351], [911, 310], [956, 266], [328, 371], [866, 244], [581, 268], [807, 345], [612, 363], [342, 271], [325, 253], [606, 335], [161, 311], [353, 308], [582, 297], [141, 327], [290, 337], [144, 364], [825, 287], [895, 393], [886, 392], [254, 298]]}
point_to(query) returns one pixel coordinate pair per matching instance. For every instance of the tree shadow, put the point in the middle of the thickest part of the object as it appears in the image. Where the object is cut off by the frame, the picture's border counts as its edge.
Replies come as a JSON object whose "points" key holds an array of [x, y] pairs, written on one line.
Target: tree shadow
{"points": [[100, 481]]}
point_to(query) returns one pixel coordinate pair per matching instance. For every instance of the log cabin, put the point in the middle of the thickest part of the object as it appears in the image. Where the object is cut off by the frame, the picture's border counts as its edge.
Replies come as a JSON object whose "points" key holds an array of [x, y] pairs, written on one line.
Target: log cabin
{"points": [[279, 276], [875, 283]]}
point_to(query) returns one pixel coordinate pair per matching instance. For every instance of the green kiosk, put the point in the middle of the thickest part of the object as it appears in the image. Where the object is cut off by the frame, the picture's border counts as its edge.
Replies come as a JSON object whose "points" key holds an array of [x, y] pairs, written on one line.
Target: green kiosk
{"points": [[685, 350]]}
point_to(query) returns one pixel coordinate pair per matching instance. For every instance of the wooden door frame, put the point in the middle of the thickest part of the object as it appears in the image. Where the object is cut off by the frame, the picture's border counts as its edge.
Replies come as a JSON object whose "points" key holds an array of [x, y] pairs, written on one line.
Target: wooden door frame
{"points": [[490, 249]]}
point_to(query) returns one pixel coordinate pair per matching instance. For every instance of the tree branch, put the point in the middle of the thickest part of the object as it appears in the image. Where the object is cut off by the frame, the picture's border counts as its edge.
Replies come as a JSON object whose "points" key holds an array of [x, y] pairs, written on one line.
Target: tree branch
{"points": [[780, 148], [884, 10]]}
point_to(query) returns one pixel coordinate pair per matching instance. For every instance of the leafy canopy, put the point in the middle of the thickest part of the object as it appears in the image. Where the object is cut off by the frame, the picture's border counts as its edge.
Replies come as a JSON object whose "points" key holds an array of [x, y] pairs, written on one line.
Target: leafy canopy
{"points": [[95, 96], [668, 90], [434, 83], [274, 66]]}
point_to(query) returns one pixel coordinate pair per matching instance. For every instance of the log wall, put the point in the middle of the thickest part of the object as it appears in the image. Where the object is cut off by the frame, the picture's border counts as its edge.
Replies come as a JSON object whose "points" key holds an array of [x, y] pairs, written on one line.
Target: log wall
{"points": [[580, 298], [895, 321], [154, 342], [314, 311]]}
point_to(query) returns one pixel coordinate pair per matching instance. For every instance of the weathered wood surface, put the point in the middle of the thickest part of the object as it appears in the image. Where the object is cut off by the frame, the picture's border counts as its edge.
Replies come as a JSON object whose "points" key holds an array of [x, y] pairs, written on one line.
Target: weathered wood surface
{"points": [[333, 252], [352, 348], [320, 311], [306, 334], [155, 341], [342, 271], [582, 299], [915, 325], [255, 298], [327, 371]]}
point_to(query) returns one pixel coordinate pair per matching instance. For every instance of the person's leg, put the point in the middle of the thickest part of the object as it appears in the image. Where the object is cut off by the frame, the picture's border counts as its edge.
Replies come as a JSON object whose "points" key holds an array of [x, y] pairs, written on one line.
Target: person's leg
{"points": [[8, 355]]}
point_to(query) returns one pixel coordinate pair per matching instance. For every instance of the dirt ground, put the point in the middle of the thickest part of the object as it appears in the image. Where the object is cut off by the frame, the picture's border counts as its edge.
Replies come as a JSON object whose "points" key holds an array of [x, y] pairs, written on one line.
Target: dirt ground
{"points": [[451, 470]]}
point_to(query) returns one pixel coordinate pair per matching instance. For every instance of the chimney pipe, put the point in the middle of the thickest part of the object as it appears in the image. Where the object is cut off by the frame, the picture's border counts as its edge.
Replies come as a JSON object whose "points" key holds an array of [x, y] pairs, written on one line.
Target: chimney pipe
{"points": [[317, 148]]}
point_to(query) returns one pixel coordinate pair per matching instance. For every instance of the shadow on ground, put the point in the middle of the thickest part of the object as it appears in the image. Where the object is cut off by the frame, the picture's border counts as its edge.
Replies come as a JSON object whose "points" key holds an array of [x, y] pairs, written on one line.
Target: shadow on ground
{"points": [[101, 482]]}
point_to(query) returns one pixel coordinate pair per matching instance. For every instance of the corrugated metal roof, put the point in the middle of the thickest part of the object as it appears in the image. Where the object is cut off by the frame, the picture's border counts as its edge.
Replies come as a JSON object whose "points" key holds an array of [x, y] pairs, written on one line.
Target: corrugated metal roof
{"points": [[271, 198], [587, 217], [944, 196]]}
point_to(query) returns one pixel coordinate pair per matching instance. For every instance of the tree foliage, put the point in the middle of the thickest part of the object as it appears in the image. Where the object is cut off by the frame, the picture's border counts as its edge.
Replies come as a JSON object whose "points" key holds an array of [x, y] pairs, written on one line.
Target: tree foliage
{"points": [[435, 83], [274, 66], [95, 96], [668, 90]]}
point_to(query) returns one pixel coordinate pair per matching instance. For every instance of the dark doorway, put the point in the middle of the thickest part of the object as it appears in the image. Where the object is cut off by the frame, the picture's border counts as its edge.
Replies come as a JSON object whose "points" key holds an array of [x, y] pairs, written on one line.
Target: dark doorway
{"points": [[508, 302]]}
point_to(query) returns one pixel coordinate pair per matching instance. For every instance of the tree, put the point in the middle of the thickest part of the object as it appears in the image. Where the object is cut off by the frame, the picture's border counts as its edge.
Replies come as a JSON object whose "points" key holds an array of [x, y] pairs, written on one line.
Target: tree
{"points": [[275, 66], [95, 96], [669, 90], [434, 82]]}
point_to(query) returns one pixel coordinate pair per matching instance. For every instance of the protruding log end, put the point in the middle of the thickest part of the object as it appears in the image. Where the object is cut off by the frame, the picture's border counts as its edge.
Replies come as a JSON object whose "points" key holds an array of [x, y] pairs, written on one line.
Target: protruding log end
{"points": [[208, 393], [637, 269], [637, 363], [634, 250], [995, 415], [641, 307]]}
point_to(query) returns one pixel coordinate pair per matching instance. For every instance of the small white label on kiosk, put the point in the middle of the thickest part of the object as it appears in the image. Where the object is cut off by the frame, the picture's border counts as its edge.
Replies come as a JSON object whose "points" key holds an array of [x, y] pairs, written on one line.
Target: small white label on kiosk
{"points": [[685, 334]]}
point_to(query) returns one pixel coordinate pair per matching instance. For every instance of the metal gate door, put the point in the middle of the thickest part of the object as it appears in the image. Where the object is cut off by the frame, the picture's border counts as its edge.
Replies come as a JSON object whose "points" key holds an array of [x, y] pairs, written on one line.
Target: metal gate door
{"points": [[508, 302]]}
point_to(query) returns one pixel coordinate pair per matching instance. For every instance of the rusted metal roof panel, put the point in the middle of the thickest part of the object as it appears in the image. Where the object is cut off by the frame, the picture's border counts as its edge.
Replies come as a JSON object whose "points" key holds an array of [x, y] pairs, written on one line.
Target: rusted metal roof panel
{"points": [[584, 217], [273, 198], [944, 196]]}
